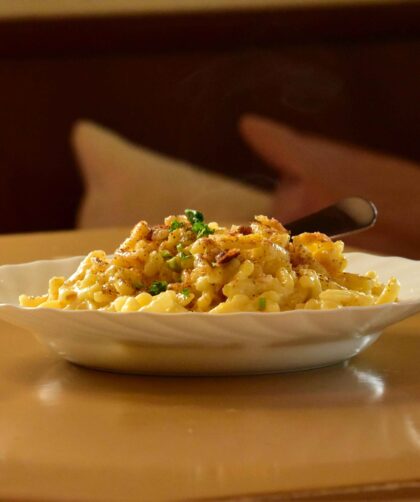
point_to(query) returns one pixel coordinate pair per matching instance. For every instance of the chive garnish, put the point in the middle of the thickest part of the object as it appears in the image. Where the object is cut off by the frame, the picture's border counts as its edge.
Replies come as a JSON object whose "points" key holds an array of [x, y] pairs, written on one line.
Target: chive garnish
{"points": [[194, 216], [174, 264], [262, 303], [196, 219], [175, 224], [184, 256], [166, 254], [158, 287]]}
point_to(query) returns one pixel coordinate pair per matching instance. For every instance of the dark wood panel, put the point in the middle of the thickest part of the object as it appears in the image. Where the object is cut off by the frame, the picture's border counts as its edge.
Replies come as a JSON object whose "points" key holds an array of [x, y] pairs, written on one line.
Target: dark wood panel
{"points": [[186, 103]]}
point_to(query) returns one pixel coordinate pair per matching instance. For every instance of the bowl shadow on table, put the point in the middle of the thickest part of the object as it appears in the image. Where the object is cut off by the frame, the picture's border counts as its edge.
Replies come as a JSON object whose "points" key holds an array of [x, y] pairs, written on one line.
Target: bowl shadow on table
{"points": [[386, 371]]}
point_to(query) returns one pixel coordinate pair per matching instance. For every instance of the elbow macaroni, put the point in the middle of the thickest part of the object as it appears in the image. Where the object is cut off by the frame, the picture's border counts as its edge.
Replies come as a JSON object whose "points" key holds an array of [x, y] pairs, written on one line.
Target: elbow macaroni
{"points": [[179, 267]]}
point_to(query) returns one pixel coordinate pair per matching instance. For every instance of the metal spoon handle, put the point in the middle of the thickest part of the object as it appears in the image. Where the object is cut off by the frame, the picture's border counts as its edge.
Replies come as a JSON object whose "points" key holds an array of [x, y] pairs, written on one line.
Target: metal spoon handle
{"points": [[347, 216]]}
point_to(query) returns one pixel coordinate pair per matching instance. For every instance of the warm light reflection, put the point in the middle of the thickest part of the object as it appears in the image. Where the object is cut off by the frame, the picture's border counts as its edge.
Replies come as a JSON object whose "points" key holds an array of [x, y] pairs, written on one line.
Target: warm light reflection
{"points": [[412, 430], [49, 392], [372, 381]]}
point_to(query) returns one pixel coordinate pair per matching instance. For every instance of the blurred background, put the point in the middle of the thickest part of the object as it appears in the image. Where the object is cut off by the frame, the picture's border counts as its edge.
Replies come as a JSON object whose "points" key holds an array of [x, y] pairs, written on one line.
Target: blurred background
{"points": [[176, 76]]}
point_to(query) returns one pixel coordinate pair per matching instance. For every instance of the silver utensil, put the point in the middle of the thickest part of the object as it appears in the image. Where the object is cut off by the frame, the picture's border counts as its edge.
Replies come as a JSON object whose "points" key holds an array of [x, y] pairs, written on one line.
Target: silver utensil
{"points": [[347, 216]]}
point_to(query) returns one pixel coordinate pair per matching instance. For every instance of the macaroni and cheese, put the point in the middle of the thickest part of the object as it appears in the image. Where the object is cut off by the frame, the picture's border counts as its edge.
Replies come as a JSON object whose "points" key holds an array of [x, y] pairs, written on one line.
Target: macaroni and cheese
{"points": [[187, 265]]}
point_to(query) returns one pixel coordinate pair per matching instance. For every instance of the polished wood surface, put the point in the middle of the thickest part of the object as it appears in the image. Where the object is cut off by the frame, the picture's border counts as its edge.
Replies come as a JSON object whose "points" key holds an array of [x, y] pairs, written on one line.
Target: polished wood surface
{"points": [[68, 433]]}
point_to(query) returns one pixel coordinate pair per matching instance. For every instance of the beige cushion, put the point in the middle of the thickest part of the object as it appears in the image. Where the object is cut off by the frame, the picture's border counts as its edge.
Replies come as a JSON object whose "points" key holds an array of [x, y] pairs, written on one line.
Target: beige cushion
{"points": [[125, 183]]}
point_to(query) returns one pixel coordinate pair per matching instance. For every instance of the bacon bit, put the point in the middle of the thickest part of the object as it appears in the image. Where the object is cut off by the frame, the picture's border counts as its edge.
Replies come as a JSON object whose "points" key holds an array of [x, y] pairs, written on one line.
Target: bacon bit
{"points": [[227, 256], [211, 249], [148, 236], [245, 230]]}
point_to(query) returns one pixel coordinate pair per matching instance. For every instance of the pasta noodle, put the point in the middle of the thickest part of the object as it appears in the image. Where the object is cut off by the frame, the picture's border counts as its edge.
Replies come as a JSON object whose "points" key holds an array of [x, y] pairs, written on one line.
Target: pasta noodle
{"points": [[187, 265]]}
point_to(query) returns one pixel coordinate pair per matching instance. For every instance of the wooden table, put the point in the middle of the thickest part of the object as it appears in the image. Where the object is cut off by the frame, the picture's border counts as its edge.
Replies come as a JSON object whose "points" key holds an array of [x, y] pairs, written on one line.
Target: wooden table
{"points": [[348, 432]]}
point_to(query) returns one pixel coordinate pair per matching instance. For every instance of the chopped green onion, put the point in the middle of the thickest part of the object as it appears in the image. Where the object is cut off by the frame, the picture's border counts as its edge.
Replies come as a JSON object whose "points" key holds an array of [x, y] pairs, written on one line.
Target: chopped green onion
{"points": [[262, 303], [184, 256], [179, 247], [175, 224], [166, 254], [194, 216], [185, 292], [202, 230], [158, 287], [187, 261], [174, 264], [197, 221]]}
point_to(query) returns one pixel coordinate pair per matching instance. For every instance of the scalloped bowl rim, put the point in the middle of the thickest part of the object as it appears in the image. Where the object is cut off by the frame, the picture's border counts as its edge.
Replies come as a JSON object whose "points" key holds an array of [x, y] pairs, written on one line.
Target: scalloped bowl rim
{"points": [[205, 344]]}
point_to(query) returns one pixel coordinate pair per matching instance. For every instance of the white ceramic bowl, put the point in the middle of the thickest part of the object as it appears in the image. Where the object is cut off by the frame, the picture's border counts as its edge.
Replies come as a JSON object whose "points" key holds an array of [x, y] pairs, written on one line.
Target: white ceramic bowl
{"points": [[196, 343]]}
